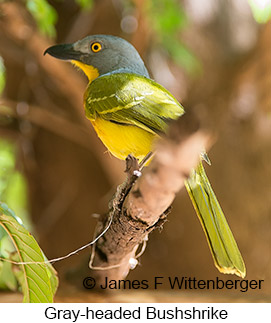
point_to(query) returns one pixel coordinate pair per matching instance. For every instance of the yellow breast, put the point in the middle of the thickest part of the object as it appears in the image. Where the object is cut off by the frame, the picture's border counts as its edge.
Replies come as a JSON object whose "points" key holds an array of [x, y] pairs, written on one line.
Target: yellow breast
{"points": [[122, 140]]}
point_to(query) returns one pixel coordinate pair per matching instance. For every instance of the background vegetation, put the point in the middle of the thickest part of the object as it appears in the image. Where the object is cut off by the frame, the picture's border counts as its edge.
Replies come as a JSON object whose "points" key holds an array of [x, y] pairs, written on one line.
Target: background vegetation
{"points": [[214, 56]]}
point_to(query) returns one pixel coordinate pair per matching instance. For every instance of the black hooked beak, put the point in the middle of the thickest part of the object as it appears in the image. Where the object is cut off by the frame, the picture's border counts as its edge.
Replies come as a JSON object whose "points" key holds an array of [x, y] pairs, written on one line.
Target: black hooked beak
{"points": [[64, 51]]}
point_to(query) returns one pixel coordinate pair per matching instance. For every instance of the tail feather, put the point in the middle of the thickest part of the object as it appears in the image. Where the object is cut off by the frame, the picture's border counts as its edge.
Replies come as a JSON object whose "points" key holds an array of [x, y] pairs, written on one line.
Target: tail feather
{"points": [[224, 249]]}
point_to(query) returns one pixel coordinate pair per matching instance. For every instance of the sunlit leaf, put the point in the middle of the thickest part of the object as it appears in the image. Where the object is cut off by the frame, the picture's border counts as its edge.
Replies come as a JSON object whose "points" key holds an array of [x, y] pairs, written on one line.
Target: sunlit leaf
{"points": [[168, 19], [85, 4], [184, 57], [44, 14], [2, 75], [34, 279], [6, 210], [52, 276], [7, 278], [168, 16], [13, 192], [261, 10], [13, 187]]}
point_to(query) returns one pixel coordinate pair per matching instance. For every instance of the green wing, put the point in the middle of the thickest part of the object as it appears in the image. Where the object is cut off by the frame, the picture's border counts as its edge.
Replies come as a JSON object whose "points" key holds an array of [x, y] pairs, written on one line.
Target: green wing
{"points": [[131, 99], [224, 249]]}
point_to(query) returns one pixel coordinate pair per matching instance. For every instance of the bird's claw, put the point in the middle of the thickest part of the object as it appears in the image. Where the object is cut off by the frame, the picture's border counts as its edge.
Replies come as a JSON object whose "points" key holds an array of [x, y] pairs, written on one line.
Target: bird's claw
{"points": [[132, 166]]}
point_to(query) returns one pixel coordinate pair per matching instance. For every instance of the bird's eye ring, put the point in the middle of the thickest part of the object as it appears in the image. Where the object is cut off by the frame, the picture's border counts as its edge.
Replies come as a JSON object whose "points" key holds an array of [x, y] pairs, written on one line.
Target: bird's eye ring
{"points": [[96, 47]]}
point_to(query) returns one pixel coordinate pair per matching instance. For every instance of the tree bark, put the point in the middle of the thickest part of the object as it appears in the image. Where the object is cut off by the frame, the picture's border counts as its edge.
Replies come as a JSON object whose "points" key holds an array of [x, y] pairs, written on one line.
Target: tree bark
{"points": [[142, 205]]}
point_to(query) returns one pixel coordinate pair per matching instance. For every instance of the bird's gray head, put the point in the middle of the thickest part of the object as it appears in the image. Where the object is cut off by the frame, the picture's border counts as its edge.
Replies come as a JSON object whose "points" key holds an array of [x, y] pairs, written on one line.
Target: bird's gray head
{"points": [[101, 54]]}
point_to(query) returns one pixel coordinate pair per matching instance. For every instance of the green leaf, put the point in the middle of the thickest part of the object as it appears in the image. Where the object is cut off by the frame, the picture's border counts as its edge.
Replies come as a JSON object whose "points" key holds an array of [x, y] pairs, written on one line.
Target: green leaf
{"points": [[13, 186], [7, 278], [168, 19], [6, 210], [183, 57], [261, 10], [2, 75], [7, 165], [52, 273], [44, 14], [37, 284], [85, 4], [167, 16]]}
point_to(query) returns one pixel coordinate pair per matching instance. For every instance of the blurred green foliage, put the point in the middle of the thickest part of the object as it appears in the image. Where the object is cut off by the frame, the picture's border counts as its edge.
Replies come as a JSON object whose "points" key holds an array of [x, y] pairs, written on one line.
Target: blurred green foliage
{"points": [[7, 276], [44, 14], [38, 280], [13, 188], [2, 75], [261, 10], [85, 4], [168, 20], [13, 192]]}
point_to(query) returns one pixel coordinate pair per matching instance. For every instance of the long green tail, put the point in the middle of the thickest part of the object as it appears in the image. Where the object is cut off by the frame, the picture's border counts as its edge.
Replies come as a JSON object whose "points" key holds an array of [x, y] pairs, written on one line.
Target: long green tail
{"points": [[223, 246]]}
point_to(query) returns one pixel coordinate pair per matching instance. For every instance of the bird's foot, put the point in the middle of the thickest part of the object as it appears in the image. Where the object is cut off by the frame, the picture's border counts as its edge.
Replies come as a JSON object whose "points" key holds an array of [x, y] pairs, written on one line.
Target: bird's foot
{"points": [[132, 166]]}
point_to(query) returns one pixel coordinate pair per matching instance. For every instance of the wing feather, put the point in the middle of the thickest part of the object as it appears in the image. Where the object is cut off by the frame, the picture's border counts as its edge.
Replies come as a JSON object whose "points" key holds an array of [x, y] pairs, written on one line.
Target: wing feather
{"points": [[131, 99]]}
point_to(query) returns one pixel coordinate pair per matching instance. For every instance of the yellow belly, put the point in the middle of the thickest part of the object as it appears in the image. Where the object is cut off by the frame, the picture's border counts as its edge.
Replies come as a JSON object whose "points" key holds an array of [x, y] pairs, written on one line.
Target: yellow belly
{"points": [[122, 140]]}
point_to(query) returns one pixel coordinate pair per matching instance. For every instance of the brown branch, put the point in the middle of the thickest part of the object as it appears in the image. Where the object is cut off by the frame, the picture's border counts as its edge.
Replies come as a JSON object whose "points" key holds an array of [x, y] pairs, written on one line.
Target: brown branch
{"points": [[142, 205]]}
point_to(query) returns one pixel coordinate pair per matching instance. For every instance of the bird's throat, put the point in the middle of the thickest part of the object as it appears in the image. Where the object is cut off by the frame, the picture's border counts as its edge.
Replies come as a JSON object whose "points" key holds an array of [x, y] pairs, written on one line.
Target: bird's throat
{"points": [[90, 71]]}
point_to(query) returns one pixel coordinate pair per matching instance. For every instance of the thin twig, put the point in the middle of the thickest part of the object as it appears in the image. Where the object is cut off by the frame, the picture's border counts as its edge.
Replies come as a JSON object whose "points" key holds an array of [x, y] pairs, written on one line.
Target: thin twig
{"points": [[51, 261]]}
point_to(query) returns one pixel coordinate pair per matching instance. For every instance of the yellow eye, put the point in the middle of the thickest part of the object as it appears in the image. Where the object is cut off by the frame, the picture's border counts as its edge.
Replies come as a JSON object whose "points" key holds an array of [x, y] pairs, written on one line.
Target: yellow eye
{"points": [[96, 47]]}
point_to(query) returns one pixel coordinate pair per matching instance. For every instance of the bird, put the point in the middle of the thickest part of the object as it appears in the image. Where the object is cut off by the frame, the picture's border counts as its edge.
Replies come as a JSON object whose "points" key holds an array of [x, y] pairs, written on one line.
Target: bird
{"points": [[129, 111]]}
